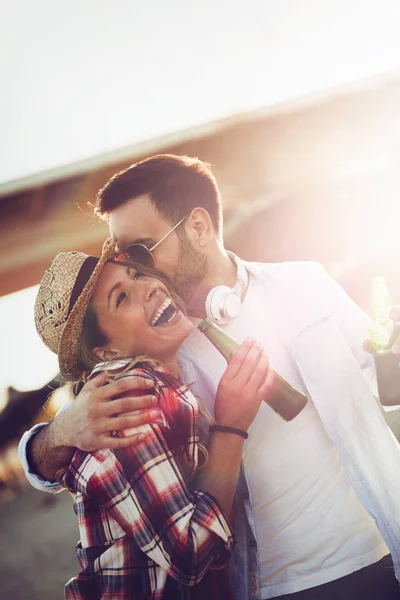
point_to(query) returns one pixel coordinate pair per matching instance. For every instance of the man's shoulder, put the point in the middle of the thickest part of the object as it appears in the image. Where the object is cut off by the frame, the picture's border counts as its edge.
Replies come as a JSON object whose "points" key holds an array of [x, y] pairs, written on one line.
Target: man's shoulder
{"points": [[283, 271]]}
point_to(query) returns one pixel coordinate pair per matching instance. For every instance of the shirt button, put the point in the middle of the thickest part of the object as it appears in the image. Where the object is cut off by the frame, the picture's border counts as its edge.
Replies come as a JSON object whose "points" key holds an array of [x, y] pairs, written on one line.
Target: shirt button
{"points": [[253, 544]]}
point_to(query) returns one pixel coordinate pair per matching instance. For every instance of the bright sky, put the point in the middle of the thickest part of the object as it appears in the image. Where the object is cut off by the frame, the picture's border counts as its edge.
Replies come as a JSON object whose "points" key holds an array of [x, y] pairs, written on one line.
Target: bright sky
{"points": [[26, 363], [89, 76]]}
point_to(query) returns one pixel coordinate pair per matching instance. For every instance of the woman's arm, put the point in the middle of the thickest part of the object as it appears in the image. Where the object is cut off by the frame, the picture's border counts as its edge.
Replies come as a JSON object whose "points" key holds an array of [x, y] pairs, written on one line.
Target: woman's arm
{"points": [[144, 491]]}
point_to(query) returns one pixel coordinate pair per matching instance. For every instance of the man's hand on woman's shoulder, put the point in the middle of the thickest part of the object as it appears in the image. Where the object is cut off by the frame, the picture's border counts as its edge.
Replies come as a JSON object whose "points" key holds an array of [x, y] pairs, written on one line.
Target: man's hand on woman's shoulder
{"points": [[92, 421], [103, 408]]}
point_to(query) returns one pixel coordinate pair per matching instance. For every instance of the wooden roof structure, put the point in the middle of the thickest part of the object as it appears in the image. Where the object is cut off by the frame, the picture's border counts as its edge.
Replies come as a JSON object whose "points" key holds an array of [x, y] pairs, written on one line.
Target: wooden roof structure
{"points": [[309, 181]]}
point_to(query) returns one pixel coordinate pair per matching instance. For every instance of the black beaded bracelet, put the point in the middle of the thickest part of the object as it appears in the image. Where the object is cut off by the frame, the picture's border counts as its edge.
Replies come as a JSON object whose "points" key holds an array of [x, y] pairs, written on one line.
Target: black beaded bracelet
{"points": [[226, 429]]}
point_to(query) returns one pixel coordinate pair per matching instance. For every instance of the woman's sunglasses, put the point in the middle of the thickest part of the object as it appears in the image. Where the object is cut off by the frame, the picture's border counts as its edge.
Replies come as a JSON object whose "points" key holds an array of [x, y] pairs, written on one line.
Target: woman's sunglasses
{"points": [[139, 253]]}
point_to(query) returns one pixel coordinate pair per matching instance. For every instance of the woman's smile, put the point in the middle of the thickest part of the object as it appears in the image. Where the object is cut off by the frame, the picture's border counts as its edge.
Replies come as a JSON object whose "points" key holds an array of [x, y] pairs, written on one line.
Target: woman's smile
{"points": [[137, 315]]}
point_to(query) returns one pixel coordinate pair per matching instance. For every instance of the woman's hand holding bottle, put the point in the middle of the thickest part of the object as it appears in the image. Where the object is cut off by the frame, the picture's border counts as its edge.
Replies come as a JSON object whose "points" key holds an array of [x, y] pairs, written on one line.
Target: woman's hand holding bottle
{"points": [[244, 385]]}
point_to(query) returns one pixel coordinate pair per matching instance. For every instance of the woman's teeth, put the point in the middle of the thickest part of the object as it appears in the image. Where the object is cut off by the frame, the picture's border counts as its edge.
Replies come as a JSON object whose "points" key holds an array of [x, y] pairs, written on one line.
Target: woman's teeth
{"points": [[160, 311]]}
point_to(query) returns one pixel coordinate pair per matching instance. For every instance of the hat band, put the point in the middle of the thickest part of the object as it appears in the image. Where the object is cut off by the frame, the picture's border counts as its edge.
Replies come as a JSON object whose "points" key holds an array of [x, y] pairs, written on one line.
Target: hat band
{"points": [[85, 272]]}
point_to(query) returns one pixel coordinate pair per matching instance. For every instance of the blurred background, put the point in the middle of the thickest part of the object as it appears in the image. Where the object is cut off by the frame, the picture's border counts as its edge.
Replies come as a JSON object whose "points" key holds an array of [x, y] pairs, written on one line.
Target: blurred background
{"points": [[295, 103]]}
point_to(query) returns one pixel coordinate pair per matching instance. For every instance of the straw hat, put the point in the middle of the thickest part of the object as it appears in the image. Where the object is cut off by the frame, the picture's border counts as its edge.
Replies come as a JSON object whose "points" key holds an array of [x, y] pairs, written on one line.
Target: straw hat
{"points": [[63, 297]]}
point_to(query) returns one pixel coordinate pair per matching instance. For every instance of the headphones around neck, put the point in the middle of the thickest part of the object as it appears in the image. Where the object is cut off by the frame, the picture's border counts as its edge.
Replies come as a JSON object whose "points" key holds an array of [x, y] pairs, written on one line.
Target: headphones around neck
{"points": [[223, 303]]}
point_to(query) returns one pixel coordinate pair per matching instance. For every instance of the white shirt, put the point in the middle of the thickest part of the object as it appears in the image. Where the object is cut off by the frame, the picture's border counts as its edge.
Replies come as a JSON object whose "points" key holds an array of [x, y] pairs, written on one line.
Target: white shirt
{"points": [[310, 526]]}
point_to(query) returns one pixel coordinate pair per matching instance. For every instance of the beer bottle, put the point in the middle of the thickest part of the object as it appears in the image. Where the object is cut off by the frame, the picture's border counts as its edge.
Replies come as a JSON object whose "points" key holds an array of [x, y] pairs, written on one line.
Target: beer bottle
{"points": [[285, 399], [382, 326], [382, 333]]}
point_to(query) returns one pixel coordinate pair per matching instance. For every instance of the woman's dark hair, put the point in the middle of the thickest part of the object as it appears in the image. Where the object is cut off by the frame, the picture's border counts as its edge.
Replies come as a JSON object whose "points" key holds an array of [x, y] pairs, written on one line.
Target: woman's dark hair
{"points": [[175, 185]]}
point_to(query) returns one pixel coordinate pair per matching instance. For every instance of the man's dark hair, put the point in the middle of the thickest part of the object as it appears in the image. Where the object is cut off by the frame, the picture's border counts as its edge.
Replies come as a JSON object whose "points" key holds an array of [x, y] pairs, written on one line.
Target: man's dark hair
{"points": [[175, 185]]}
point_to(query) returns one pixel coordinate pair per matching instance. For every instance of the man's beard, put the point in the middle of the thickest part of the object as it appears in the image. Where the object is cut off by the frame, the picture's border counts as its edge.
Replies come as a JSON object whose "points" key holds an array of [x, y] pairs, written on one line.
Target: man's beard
{"points": [[191, 269]]}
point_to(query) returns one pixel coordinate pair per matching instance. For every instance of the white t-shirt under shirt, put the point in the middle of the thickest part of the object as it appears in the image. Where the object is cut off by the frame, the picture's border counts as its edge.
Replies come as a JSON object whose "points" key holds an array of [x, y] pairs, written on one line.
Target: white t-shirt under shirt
{"points": [[310, 527]]}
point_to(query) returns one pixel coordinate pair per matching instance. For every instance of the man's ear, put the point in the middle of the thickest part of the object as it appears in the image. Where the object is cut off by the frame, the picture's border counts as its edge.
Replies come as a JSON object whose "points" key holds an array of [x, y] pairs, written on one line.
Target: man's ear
{"points": [[200, 228], [103, 353]]}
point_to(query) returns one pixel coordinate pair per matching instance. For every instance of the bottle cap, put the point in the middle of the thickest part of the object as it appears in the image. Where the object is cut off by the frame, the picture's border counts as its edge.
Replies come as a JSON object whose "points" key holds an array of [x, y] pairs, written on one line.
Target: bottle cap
{"points": [[204, 324]]}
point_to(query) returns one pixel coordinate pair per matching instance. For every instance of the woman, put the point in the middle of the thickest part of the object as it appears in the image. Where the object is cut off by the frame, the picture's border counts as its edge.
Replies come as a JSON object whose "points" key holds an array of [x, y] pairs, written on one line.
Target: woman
{"points": [[152, 522]]}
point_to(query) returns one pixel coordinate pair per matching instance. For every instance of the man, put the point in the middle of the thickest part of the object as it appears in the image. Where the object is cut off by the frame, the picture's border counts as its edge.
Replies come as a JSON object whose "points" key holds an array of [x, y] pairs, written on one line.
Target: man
{"points": [[317, 509]]}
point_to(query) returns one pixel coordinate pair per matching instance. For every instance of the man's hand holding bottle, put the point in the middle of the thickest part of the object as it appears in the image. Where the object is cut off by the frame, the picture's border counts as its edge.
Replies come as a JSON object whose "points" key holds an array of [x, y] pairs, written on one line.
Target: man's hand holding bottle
{"points": [[394, 315]]}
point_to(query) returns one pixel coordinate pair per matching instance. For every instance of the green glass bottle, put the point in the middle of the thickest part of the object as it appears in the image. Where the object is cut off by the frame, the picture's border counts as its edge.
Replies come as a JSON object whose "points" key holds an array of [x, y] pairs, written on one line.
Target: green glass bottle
{"points": [[382, 326], [382, 333], [285, 399]]}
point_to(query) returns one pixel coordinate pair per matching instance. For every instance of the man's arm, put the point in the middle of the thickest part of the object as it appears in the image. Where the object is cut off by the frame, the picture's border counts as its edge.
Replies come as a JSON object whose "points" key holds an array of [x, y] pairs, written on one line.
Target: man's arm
{"points": [[44, 455], [88, 423], [355, 324]]}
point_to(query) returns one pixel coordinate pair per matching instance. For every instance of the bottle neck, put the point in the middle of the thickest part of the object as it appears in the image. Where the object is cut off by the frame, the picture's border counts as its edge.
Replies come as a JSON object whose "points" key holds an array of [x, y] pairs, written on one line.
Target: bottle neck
{"points": [[381, 303]]}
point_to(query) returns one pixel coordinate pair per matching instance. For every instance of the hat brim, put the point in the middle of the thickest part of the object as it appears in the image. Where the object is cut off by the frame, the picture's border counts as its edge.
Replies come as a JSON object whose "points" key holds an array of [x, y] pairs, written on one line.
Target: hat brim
{"points": [[68, 352]]}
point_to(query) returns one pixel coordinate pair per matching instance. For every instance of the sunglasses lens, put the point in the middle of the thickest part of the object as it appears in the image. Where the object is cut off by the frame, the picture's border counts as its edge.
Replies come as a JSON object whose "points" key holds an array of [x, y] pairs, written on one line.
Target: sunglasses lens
{"points": [[140, 254]]}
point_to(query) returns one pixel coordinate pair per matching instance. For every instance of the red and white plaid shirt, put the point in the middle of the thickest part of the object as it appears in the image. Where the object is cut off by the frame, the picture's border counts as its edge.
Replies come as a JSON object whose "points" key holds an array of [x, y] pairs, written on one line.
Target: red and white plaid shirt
{"points": [[145, 533]]}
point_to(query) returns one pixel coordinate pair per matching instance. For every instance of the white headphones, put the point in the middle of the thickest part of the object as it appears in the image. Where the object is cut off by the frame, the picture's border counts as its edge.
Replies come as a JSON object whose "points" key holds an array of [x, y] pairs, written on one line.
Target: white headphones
{"points": [[223, 303]]}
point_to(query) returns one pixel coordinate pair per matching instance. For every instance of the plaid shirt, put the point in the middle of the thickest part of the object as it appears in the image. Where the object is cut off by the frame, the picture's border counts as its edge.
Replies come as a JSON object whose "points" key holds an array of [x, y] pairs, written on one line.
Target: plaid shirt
{"points": [[144, 532]]}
